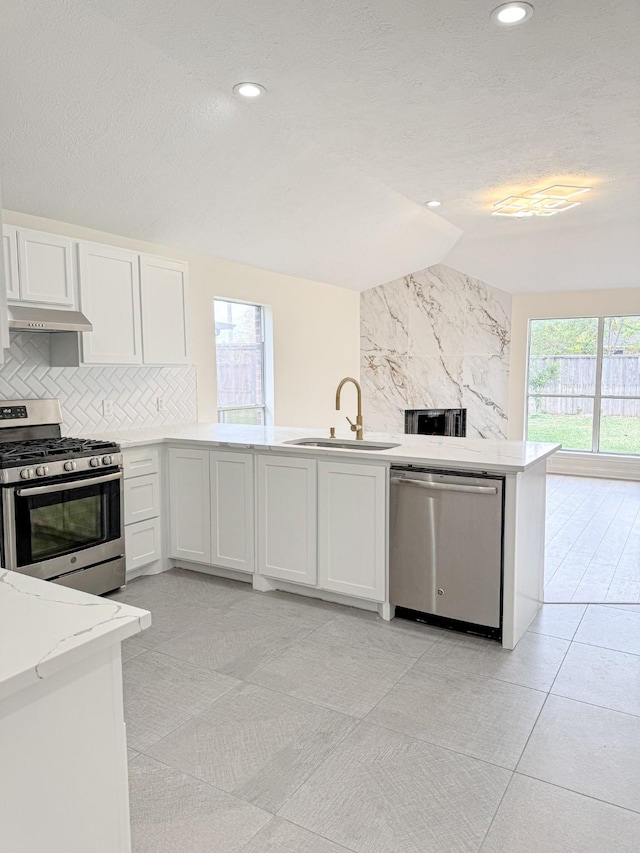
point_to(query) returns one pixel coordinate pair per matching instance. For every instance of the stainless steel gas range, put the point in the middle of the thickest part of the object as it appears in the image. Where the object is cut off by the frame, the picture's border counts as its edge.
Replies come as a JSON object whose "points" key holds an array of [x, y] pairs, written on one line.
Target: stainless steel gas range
{"points": [[60, 500]]}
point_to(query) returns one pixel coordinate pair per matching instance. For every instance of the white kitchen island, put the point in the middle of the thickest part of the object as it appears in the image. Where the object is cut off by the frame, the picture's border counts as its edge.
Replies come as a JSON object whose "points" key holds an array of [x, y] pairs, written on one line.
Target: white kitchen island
{"points": [[245, 502], [63, 754]]}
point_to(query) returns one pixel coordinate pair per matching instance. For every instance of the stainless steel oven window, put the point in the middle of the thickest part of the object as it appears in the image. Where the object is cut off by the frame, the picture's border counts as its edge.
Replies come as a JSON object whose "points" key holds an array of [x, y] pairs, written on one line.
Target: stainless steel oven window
{"points": [[58, 527], [54, 520]]}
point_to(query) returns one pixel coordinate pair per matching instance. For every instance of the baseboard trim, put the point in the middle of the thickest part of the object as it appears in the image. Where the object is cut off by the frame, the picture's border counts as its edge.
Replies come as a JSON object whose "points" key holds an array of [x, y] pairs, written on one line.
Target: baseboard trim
{"points": [[595, 465]]}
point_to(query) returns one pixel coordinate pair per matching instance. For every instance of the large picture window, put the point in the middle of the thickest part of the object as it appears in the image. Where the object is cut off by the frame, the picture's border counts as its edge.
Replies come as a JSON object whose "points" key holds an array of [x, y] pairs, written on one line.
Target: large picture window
{"points": [[240, 362], [584, 383]]}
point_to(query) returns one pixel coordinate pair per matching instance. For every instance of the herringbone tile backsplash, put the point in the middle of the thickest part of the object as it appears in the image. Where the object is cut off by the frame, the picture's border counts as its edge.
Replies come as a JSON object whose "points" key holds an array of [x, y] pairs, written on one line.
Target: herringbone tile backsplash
{"points": [[133, 391]]}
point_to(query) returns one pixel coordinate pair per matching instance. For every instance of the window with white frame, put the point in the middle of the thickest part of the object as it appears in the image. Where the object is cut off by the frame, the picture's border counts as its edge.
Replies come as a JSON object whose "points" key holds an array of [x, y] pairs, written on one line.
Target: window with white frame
{"points": [[584, 383], [240, 362]]}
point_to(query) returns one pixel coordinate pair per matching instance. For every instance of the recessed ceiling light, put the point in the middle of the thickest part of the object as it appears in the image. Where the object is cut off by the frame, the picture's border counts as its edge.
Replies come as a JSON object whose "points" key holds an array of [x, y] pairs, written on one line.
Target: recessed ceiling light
{"points": [[511, 13], [249, 90], [433, 203]]}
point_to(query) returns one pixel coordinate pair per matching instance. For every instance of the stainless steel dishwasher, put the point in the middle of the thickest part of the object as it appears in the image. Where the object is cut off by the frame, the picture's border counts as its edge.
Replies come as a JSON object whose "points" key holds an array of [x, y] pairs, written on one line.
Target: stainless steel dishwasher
{"points": [[445, 559]]}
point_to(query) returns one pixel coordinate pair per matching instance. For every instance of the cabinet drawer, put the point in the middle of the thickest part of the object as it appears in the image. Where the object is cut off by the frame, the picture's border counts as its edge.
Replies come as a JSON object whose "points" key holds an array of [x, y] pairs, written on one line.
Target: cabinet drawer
{"points": [[141, 498], [140, 461], [142, 543]]}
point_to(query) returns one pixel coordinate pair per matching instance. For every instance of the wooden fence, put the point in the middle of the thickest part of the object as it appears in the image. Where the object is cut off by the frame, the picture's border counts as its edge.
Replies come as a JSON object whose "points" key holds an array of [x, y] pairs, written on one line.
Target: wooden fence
{"points": [[239, 374], [576, 374]]}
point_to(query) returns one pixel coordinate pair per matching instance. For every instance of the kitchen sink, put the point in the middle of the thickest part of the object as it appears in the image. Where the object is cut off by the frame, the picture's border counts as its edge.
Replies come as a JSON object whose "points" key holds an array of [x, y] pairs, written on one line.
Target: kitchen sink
{"points": [[342, 444]]}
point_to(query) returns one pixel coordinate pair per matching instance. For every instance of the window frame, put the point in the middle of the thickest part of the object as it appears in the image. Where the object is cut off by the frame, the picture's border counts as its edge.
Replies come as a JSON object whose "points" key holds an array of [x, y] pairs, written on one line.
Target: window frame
{"points": [[266, 349], [597, 397]]}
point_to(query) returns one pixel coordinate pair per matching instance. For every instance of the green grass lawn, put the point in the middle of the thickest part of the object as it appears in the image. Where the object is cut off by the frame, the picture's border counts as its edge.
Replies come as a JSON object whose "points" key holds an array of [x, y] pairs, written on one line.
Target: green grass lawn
{"points": [[617, 435], [243, 416]]}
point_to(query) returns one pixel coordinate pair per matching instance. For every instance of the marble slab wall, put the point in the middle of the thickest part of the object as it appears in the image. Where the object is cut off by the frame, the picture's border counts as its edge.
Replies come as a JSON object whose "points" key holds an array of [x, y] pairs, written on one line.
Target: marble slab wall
{"points": [[436, 339], [133, 391]]}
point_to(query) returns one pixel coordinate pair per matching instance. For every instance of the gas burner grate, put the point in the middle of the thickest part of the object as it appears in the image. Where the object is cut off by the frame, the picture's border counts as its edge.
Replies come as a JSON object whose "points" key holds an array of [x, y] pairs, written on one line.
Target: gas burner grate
{"points": [[56, 448]]}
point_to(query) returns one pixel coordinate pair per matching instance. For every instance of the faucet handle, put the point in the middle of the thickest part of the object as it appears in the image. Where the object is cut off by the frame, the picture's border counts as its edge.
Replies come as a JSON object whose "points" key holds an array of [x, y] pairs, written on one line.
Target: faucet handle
{"points": [[353, 426]]}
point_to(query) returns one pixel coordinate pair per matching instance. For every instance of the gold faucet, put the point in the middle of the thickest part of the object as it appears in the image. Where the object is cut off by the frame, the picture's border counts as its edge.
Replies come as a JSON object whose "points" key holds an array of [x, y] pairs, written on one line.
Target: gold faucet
{"points": [[357, 427]]}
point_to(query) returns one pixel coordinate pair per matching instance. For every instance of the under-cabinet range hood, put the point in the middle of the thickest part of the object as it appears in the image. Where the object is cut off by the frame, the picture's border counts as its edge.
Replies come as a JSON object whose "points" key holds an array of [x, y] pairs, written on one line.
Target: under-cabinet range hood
{"points": [[23, 318]]}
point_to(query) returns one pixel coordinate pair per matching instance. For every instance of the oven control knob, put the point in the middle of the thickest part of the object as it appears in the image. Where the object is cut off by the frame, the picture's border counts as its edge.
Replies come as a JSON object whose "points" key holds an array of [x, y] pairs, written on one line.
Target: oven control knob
{"points": [[26, 473], [107, 460], [69, 465], [94, 462], [42, 470]]}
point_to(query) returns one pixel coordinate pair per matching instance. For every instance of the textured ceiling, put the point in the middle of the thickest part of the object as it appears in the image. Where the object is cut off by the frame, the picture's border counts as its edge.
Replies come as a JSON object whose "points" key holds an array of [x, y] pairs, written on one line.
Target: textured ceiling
{"points": [[118, 115]]}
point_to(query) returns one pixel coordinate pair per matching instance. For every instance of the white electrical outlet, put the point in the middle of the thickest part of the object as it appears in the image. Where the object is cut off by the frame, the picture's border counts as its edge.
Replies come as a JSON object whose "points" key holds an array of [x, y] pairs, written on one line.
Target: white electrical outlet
{"points": [[107, 408], [161, 404]]}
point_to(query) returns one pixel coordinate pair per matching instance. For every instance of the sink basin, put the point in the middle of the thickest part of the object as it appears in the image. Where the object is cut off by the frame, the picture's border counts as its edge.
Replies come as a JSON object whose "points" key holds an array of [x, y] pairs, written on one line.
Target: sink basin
{"points": [[342, 444]]}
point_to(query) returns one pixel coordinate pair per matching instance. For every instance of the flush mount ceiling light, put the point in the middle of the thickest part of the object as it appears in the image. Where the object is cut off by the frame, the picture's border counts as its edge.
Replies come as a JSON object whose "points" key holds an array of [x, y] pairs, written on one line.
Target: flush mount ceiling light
{"points": [[545, 202], [249, 90], [433, 203], [511, 13]]}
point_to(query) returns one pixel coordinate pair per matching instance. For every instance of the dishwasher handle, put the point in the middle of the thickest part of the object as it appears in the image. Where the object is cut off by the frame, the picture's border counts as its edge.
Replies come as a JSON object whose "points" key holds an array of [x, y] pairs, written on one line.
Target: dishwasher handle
{"points": [[445, 487]]}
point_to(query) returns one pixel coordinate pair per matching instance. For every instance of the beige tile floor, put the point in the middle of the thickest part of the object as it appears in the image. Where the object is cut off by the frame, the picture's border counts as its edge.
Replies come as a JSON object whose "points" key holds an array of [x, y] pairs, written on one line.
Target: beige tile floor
{"points": [[593, 540], [267, 723]]}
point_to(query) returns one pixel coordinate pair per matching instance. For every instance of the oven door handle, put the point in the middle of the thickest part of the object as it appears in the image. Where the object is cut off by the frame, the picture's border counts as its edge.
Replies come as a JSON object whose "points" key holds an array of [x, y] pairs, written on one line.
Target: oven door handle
{"points": [[63, 487]]}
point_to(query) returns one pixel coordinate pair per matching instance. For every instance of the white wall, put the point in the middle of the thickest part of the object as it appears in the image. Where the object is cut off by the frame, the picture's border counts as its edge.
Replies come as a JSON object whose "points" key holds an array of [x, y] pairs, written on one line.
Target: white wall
{"points": [[315, 326]]}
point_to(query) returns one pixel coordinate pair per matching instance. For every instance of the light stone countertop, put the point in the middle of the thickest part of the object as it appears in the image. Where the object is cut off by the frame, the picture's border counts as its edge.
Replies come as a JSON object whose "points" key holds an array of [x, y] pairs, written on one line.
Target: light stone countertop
{"points": [[45, 627], [435, 451]]}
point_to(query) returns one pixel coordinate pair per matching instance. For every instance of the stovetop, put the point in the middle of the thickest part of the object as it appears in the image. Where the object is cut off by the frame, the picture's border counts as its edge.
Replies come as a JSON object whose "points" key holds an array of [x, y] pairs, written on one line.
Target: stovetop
{"points": [[38, 450]]}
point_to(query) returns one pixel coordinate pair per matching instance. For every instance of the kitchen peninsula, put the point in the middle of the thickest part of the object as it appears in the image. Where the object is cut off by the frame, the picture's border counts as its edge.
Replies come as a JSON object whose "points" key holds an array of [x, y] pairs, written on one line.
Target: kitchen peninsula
{"points": [[253, 503], [63, 785]]}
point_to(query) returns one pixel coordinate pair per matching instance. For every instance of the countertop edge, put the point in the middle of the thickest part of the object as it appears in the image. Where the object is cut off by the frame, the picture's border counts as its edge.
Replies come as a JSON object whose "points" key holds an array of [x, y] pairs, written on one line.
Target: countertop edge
{"points": [[67, 649], [386, 456]]}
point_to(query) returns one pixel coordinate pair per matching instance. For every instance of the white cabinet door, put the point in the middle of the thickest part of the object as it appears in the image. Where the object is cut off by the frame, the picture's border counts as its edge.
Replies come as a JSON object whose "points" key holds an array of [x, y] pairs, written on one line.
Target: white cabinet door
{"points": [[232, 511], [352, 529], [10, 248], [46, 268], [163, 285], [287, 507], [190, 505], [110, 297], [5, 278]]}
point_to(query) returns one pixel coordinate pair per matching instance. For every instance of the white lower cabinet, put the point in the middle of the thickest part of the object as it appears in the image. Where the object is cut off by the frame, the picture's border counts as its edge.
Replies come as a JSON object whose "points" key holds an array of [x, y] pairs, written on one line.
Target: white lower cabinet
{"points": [[142, 507], [320, 524], [141, 498], [232, 511], [139, 461], [142, 542], [190, 505], [211, 497], [287, 518], [352, 529]]}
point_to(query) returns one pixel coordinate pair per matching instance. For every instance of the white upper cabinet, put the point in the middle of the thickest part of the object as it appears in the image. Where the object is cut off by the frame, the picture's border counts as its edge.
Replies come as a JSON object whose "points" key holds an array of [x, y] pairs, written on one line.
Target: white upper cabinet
{"points": [[287, 521], [45, 265], [137, 304], [352, 529], [163, 289], [110, 298], [5, 282], [10, 250]]}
